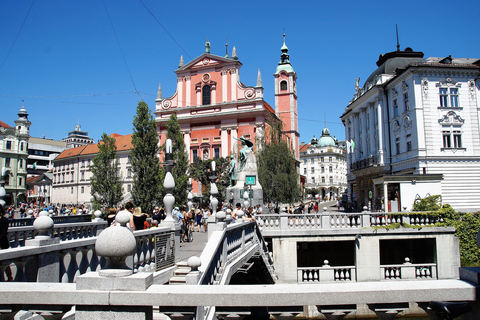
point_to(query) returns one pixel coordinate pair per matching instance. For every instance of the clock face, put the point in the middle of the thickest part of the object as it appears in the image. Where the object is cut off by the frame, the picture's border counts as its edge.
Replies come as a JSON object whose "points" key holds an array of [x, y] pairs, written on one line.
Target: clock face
{"points": [[206, 77]]}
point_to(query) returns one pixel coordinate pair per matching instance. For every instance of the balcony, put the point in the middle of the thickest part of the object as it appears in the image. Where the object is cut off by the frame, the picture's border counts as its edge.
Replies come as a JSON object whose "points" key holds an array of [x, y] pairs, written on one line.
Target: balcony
{"points": [[365, 163]]}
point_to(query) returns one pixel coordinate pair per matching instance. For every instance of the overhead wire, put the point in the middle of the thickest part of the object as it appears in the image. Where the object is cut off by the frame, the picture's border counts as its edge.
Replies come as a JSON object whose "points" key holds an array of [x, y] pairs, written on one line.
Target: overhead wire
{"points": [[123, 56], [161, 25], [65, 95], [18, 34]]}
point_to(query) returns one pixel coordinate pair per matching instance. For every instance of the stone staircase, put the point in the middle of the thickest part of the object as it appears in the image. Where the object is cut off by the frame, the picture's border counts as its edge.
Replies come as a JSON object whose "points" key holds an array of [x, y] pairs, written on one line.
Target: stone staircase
{"points": [[179, 274]]}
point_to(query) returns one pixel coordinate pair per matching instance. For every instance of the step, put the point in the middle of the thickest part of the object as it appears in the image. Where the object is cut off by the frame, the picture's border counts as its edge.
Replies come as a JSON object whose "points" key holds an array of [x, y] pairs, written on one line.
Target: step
{"points": [[177, 281], [181, 271]]}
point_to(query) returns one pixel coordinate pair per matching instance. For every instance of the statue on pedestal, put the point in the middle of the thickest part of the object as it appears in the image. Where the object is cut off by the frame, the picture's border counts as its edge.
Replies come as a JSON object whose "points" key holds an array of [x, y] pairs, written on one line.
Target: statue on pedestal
{"points": [[247, 145]]}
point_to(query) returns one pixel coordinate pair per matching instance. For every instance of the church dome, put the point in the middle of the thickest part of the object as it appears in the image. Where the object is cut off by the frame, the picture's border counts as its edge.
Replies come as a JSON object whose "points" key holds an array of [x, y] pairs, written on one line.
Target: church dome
{"points": [[326, 139]]}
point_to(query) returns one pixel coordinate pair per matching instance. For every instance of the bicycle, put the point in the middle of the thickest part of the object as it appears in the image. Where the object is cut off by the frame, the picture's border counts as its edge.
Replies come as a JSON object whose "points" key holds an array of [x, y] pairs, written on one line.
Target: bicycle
{"points": [[189, 235]]}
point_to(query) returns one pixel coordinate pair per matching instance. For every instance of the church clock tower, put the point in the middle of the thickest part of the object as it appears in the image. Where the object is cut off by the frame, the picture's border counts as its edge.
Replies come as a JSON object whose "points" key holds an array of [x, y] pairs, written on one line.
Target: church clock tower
{"points": [[286, 98]]}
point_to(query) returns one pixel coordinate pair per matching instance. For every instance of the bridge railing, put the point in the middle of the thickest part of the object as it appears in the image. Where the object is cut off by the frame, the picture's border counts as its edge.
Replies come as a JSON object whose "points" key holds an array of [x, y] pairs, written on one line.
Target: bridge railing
{"points": [[338, 220], [65, 231], [223, 248], [21, 222], [66, 260]]}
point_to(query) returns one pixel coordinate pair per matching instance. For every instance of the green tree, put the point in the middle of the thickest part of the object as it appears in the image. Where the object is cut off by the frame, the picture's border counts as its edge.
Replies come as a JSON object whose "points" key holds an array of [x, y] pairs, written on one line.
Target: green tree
{"points": [[277, 172], [430, 203], [147, 173], [180, 157], [200, 171], [106, 186]]}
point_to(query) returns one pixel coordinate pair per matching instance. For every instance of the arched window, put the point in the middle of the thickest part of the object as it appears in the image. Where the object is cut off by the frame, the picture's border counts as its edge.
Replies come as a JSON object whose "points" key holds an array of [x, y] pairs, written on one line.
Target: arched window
{"points": [[283, 85], [206, 97]]}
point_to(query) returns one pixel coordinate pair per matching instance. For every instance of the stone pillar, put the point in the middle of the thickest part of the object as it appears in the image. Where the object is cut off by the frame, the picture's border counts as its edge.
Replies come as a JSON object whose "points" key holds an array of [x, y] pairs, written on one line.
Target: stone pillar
{"points": [[385, 197], [285, 257], [380, 154], [371, 115], [367, 258]]}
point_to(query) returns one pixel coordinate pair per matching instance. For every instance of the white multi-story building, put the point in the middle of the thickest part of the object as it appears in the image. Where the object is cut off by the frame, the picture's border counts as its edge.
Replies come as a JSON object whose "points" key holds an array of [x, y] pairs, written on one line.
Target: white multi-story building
{"points": [[414, 128], [71, 173], [41, 153], [323, 164], [13, 157]]}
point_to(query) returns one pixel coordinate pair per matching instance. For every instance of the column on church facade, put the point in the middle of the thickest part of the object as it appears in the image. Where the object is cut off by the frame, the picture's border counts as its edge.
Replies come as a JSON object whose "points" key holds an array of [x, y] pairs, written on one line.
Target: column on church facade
{"points": [[233, 142], [259, 133], [213, 95], [381, 154], [224, 136], [187, 88], [186, 138], [180, 91], [234, 77], [198, 91], [224, 85]]}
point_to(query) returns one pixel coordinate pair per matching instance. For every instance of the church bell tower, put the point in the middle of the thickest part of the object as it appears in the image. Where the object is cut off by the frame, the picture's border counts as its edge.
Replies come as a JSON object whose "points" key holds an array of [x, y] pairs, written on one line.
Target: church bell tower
{"points": [[286, 98]]}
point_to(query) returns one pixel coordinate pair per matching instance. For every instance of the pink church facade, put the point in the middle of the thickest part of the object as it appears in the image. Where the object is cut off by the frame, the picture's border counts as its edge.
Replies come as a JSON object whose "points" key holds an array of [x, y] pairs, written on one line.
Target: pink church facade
{"points": [[214, 108]]}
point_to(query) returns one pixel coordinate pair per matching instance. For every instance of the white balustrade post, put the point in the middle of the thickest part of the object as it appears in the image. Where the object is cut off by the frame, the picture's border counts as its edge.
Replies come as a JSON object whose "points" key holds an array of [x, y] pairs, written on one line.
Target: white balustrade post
{"points": [[408, 270], [115, 244]]}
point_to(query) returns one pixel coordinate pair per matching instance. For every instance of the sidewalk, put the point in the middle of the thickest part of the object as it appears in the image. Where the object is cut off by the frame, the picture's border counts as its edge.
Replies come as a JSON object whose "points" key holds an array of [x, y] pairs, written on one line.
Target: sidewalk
{"points": [[195, 248]]}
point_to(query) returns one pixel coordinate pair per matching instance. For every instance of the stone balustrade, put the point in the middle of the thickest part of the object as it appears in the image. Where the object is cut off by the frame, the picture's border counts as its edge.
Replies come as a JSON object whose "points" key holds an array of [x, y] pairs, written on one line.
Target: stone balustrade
{"points": [[340, 220], [409, 271], [65, 231], [21, 222], [326, 274], [66, 260]]}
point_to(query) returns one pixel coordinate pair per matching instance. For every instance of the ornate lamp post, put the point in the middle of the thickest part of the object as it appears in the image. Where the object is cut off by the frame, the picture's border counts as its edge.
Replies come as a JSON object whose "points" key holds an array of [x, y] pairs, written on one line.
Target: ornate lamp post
{"points": [[213, 190], [169, 182], [190, 195]]}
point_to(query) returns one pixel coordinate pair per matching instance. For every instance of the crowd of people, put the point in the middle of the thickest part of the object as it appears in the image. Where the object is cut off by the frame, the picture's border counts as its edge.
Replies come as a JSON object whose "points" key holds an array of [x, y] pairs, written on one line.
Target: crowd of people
{"points": [[33, 209]]}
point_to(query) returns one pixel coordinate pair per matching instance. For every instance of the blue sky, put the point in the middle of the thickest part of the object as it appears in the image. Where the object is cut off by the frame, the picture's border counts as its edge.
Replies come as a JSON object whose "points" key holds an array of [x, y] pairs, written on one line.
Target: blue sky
{"points": [[65, 62]]}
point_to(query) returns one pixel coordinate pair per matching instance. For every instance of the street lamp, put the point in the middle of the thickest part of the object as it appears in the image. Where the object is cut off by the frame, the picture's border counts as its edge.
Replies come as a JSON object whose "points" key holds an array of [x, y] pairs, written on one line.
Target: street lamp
{"points": [[169, 182], [213, 189]]}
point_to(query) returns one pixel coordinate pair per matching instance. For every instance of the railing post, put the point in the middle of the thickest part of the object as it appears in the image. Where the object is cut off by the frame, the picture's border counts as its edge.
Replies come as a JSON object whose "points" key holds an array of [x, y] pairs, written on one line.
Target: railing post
{"points": [[325, 219], [115, 244], [366, 218], [408, 270], [284, 220]]}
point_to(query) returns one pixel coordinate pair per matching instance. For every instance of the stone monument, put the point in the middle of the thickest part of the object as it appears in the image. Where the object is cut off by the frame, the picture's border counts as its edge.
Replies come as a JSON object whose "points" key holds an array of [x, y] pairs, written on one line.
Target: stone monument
{"points": [[247, 177]]}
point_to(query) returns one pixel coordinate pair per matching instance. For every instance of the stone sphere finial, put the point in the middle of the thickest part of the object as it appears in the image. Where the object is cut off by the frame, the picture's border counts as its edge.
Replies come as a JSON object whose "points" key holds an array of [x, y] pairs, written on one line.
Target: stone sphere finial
{"points": [[239, 214], [221, 216], [115, 245], [97, 214], [194, 263], [42, 225], [123, 217], [324, 208]]}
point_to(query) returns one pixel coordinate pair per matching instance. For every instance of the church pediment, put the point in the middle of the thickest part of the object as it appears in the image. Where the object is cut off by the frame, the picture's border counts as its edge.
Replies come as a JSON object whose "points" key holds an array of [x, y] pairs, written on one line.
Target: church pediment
{"points": [[207, 60]]}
